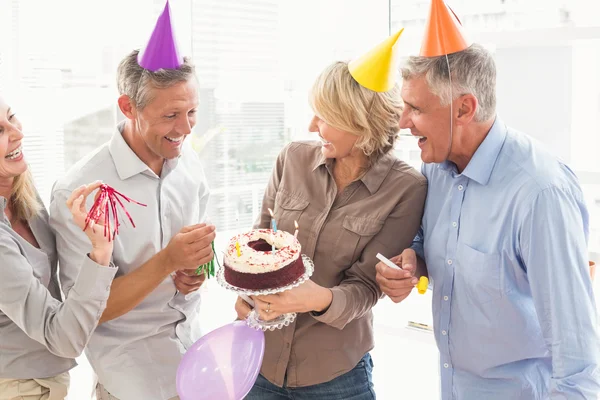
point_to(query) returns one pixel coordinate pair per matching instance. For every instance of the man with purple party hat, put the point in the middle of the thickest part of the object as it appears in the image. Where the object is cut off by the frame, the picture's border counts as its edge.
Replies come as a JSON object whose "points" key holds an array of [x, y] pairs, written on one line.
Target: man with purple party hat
{"points": [[151, 313]]}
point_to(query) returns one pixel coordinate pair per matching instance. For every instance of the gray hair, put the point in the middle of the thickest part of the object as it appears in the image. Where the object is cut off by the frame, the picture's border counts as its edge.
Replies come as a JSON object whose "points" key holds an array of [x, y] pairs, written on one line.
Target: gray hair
{"points": [[137, 82], [473, 72]]}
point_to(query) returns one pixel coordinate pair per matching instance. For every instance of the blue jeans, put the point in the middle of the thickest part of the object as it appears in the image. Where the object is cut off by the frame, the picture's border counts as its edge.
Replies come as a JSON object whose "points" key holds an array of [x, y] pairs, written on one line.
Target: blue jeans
{"points": [[356, 384]]}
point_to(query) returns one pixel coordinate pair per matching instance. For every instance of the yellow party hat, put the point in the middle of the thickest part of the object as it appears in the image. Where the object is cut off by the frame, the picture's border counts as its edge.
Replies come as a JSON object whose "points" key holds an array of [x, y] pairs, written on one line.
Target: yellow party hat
{"points": [[377, 69]]}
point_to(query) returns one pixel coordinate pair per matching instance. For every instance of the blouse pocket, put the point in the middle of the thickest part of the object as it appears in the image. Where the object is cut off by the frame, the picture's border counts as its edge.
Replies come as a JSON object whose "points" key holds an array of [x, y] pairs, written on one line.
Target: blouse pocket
{"points": [[356, 233], [479, 273], [289, 209]]}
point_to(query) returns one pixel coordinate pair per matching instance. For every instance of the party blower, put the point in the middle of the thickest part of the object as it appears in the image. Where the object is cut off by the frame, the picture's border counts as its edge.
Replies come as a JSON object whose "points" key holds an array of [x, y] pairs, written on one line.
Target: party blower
{"points": [[423, 281]]}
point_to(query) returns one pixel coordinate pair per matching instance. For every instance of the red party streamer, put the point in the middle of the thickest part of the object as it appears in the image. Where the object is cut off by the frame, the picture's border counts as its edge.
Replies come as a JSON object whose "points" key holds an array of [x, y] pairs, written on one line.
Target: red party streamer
{"points": [[106, 204]]}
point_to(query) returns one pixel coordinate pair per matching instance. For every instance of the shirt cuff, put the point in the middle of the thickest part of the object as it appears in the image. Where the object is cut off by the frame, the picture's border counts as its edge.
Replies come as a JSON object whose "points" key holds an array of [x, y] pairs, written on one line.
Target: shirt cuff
{"points": [[418, 248], [335, 310], [94, 280]]}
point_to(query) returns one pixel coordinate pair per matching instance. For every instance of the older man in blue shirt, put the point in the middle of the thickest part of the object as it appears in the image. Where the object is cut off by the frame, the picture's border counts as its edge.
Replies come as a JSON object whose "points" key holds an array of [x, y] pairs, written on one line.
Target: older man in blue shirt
{"points": [[504, 240]]}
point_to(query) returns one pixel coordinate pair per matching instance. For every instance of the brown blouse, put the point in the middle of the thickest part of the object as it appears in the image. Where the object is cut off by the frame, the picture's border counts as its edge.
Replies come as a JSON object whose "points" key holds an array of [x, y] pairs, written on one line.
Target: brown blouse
{"points": [[378, 213]]}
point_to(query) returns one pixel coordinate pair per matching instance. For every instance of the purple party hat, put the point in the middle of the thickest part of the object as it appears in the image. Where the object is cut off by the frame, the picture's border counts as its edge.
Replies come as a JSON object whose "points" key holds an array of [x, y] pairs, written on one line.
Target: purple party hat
{"points": [[161, 50]]}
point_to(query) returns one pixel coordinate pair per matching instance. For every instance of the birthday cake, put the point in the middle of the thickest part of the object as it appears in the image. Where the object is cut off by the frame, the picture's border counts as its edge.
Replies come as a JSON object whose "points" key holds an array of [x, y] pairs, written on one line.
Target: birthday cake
{"points": [[263, 259]]}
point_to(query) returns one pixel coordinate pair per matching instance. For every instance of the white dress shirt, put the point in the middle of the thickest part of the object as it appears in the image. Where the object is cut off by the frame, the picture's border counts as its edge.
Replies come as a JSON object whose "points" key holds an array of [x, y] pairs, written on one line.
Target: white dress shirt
{"points": [[136, 355]]}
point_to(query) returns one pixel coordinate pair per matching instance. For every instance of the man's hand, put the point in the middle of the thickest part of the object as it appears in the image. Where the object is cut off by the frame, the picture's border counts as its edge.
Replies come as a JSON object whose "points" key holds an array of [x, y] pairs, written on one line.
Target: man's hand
{"points": [[190, 248], [397, 284], [186, 280], [242, 308]]}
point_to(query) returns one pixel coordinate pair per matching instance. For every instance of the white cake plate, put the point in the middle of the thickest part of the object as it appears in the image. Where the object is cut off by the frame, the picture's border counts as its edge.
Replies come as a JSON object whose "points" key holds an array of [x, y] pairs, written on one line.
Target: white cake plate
{"points": [[253, 319]]}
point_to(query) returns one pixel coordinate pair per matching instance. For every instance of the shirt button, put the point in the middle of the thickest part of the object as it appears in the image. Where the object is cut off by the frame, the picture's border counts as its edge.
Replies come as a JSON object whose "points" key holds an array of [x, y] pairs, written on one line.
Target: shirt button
{"points": [[444, 333], [449, 262], [446, 365], [454, 224], [445, 298], [460, 187]]}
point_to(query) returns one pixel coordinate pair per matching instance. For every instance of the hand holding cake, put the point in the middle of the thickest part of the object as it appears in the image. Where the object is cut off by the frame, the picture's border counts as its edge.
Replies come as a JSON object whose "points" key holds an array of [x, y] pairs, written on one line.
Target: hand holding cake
{"points": [[307, 297], [268, 264]]}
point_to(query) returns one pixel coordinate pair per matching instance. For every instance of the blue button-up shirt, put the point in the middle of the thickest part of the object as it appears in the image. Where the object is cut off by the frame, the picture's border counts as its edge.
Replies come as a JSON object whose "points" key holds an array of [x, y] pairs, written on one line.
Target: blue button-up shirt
{"points": [[505, 243]]}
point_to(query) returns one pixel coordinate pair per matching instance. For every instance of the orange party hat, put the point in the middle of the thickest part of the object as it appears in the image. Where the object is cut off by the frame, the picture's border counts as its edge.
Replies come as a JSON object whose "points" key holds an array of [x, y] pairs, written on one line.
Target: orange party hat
{"points": [[444, 34]]}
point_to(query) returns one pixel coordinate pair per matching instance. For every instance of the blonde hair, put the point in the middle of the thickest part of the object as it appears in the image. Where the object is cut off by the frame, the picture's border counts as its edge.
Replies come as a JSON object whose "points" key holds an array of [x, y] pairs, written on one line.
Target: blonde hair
{"points": [[343, 103], [24, 202]]}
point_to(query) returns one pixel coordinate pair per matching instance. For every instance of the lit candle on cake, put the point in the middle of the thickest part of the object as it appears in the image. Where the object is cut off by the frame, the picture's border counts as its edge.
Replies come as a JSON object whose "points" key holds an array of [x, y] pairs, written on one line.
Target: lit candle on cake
{"points": [[274, 230], [296, 232], [273, 221]]}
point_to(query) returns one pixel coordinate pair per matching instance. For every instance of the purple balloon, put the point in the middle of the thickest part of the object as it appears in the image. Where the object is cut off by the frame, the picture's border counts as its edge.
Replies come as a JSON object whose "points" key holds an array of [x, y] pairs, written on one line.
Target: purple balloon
{"points": [[223, 364], [161, 50]]}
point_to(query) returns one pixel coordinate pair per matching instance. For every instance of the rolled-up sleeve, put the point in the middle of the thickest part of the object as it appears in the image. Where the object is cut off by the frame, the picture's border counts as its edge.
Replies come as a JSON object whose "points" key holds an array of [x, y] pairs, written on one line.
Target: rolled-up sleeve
{"points": [[359, 290], [554, 251], [418, 240], [417, 244], [64, 328]]}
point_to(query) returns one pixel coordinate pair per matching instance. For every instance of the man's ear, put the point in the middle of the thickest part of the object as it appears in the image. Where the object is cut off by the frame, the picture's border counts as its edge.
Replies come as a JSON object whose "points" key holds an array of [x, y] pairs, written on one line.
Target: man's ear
{"points": [[467, 107], [127, 107]]}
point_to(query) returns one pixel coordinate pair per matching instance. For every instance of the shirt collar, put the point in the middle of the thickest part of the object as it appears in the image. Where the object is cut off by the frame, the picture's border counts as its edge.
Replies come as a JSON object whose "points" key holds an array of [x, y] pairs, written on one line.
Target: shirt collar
{"points": [[374, 176], [482, 163], [127, 162], [321, 160], [378, 172]]}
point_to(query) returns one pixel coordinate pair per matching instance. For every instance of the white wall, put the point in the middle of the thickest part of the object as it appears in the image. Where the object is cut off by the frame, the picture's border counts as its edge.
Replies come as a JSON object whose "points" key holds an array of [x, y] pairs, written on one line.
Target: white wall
{"points": [[534, 93]]}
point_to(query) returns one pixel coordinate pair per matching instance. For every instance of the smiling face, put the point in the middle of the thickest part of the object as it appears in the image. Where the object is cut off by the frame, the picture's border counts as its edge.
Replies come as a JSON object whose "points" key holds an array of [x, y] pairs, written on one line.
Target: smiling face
{"points": [[426, 118], [12, 161], [336, 143], [164, 123]]}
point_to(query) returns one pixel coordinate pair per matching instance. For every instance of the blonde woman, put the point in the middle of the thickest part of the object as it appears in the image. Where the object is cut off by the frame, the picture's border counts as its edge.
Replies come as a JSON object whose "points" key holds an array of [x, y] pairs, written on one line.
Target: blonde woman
{"points": [[352, 199], [39, 335]]}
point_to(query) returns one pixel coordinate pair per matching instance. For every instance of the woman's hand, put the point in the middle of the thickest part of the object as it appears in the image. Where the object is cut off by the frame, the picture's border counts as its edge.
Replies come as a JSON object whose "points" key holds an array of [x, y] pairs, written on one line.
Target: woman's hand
{"points": [[102, 247], [305, 298]]}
